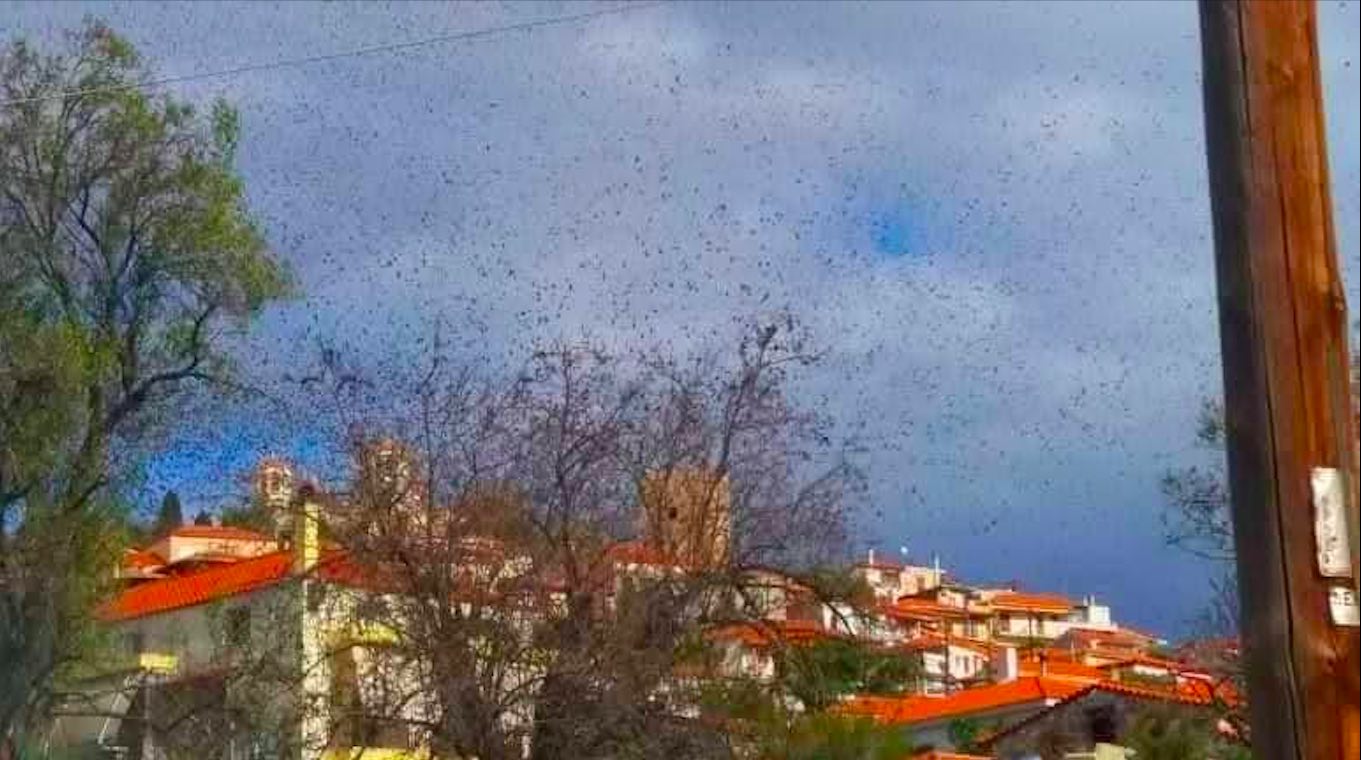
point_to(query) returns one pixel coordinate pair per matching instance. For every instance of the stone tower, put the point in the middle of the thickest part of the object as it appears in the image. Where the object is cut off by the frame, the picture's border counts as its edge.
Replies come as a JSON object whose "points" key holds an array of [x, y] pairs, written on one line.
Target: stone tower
{"points": [[687, 515], [274, 485]]}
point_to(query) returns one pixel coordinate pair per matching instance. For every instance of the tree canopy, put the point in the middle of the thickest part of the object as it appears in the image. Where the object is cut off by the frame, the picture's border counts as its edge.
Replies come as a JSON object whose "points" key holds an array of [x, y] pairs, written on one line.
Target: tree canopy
{"points": [[126, 253], [170, 515]]}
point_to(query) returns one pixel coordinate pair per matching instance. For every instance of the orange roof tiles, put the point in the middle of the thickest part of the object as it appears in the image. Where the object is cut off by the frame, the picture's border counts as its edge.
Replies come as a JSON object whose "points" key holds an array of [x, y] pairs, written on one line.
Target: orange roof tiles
{"points": [[639, 553], [1221, 644], [1120, 638], [336, 567], [1061, 669], [218, 532], [923, 609], [197, 588], [770, 632], [643, 554], [141, 559], [1038, 691], [220, 581], [1191, 693], [201, 557], [924, 641], [1149, 661], [937, 641], [1019, 602], [765, 577]]}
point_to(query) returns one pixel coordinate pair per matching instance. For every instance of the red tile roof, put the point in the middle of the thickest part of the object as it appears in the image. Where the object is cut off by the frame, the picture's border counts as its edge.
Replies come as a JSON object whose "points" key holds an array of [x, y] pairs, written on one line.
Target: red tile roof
{"points": [[924, 641], [201, 557], [1216, 650], [1047, 603], [221, 581], [1061, 669], [1095, 637], [771, 632], [1190, 693], [765, 577], [218, 532], [141, 559], [1172, 666], [639, 553], [336, 567], [937, 641], [1035, 691], [216, 582], [909, 608]]}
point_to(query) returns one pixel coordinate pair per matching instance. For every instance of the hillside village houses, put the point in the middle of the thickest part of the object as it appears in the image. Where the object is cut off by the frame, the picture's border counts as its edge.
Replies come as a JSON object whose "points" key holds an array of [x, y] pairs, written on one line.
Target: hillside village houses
{"points": [[1005, 658]]}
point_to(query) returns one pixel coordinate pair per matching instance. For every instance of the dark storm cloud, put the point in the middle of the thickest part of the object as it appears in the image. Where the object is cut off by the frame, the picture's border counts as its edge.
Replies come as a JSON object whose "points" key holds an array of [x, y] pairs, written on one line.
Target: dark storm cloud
{"points": [[1026, 360]]}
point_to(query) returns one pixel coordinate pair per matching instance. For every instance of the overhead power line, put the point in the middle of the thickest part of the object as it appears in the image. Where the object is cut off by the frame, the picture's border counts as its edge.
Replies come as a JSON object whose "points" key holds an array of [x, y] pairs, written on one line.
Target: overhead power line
{"points": [[372, 50]]}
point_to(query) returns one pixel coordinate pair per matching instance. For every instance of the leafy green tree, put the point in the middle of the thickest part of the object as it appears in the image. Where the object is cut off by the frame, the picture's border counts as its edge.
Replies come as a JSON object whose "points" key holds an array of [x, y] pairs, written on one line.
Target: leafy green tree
{"points": [[827, 736], [126, 252], [964, 732], [170, 516], [251, 515], [763, 726], [841, 584], [1175, 733], [819, 674]]}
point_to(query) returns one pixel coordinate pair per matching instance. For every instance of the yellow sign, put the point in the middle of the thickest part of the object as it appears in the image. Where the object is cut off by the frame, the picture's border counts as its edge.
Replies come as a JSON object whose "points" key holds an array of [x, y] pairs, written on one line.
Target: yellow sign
{"points": [[155, 662], [374, 753], [370, 634]]}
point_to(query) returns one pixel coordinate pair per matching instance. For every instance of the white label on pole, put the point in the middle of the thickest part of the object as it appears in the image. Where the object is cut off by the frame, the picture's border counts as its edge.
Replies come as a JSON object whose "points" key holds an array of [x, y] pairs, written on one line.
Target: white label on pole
{"points": [[1342, 606], [1330, 523]]}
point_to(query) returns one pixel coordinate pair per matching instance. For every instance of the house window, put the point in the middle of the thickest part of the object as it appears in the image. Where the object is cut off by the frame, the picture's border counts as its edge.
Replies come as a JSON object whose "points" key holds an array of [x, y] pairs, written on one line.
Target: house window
{"points": [[1101, 723], [315, 594], [237, 627]]}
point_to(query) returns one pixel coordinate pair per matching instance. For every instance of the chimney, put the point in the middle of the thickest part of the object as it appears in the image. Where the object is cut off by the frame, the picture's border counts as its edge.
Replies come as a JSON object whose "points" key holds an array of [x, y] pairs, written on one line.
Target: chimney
{"points": [[1005, 667], [307, 530], [871, 557]]}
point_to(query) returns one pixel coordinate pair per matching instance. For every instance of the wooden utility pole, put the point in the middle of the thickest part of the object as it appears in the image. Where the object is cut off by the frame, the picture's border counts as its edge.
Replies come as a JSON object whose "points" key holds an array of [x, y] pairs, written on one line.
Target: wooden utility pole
{"points": [[1283, 332]]}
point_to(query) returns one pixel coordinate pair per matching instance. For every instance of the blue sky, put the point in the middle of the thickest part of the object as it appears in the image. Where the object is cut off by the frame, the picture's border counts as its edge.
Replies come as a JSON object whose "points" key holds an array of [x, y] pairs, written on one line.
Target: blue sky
{"points": [[994, 217]]}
